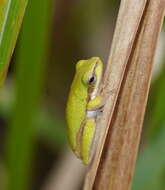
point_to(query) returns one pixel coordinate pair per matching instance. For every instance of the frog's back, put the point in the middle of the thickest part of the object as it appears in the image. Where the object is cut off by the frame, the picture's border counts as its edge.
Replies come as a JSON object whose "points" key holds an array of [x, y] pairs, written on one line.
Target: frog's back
{"points": [[76, 108]]}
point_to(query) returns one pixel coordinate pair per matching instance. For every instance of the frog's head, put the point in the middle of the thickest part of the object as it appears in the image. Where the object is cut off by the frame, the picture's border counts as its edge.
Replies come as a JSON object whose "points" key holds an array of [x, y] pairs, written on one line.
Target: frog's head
{"points": [[91, 71]]}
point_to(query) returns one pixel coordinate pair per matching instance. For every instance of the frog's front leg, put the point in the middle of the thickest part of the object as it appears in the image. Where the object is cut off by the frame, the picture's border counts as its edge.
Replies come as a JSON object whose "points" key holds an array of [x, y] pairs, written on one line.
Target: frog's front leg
{"points": [[87, 139], [95, 103]]}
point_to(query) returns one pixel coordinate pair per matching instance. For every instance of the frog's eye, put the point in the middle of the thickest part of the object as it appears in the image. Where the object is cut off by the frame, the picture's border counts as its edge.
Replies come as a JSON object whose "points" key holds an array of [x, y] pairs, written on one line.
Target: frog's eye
{"points": [[91, 80]]}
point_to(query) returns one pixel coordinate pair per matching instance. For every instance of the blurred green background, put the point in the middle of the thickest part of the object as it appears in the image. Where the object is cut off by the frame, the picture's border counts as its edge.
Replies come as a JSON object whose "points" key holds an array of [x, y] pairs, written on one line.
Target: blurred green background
{"points": [[54, 35]]}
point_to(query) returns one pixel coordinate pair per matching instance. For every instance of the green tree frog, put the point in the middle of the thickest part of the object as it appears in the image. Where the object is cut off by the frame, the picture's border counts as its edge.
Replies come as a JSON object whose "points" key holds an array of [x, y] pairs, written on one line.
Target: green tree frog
{"points": [[83, 105]]}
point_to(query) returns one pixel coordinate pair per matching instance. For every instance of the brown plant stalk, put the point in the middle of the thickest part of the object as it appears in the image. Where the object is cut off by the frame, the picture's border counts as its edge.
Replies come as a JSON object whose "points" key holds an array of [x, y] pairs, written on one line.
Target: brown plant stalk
{"points": [[126, 86]]}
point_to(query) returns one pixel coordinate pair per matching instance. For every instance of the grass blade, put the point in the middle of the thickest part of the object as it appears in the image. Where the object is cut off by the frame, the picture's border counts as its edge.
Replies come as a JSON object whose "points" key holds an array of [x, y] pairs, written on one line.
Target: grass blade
{"points": [[11, 14], [29, 76]]}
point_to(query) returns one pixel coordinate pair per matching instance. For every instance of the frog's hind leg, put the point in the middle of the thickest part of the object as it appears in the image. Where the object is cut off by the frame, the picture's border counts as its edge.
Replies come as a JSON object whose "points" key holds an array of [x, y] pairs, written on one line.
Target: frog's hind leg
{"points": [[87, 139]]}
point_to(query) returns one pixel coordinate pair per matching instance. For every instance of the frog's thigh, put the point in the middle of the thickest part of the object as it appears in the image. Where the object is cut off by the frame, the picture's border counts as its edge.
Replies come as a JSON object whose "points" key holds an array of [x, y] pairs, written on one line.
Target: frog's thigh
{"points": [[94, 103], [87, 138]]}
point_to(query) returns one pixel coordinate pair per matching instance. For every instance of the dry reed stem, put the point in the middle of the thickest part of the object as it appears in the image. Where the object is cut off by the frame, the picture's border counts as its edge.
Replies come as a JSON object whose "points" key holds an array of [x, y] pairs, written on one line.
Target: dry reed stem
{"points": [[120, 150], [128, 21], [117, 164]]}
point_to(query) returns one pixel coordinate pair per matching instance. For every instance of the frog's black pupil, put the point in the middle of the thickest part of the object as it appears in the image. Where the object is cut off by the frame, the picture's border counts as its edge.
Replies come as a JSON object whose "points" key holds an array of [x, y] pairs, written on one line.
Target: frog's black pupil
{"points": [[92, 79]]}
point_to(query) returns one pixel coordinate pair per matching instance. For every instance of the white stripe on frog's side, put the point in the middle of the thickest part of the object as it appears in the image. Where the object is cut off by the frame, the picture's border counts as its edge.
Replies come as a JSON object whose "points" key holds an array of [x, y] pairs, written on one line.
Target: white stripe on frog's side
{"points": [[92, 114]]}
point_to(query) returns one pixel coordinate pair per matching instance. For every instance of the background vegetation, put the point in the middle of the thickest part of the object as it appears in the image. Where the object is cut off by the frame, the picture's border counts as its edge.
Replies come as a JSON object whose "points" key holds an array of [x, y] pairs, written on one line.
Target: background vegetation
{"points": [[54, 35]]}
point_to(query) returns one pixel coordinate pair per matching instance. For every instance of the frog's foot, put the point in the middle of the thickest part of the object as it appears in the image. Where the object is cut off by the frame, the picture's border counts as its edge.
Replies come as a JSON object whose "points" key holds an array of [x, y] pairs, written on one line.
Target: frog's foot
{"points": [[94, 111], [95, 104]]}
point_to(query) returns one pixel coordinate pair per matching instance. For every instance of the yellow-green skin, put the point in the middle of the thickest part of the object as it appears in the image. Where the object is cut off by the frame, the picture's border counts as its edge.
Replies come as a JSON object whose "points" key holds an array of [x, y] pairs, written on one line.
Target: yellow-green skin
{"points": [[82, 99]]}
